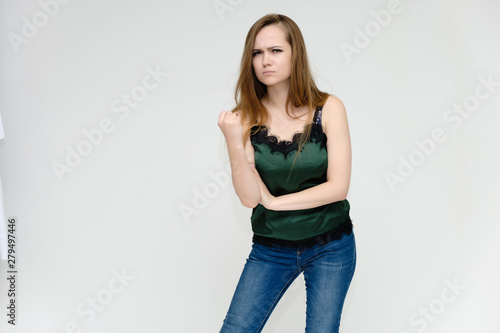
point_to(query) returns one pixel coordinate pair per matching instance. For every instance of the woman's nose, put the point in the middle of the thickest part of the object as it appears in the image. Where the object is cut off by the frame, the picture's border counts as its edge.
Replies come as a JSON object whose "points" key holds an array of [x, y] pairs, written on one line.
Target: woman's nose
{"points": [[266, 59]]}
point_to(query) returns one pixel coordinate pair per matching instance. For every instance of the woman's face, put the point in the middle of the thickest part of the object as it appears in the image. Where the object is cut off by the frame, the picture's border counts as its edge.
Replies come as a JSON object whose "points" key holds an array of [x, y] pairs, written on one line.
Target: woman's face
{"points": [[272, 56]]}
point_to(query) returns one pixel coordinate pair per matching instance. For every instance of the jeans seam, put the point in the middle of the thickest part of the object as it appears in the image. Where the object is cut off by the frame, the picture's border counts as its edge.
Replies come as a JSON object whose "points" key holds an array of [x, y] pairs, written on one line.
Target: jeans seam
{"points": [[278, 297]]}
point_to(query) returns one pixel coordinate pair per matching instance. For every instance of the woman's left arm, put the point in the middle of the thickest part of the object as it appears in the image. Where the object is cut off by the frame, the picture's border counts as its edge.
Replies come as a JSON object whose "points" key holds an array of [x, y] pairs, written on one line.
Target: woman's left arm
{"points": [[338, 177]]}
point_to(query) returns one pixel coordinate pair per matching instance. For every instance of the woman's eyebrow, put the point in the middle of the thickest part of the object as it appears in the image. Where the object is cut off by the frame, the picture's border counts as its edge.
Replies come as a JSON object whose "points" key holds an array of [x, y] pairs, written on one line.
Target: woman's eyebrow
{"points": [[269, 48]]}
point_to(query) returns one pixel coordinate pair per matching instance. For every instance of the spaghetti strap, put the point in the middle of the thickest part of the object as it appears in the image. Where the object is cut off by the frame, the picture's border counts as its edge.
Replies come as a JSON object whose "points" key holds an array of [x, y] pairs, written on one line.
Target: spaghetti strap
{"points": [[317, 115]]}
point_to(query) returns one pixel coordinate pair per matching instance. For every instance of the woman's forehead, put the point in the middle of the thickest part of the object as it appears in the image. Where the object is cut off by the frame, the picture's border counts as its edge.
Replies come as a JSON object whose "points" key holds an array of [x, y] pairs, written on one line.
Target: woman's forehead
{"points": [[271, 35]]}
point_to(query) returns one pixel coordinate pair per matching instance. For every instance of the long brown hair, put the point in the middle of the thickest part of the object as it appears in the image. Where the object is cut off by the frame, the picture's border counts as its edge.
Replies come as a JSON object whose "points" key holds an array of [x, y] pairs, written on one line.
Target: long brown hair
{"points": [[250, 91]]}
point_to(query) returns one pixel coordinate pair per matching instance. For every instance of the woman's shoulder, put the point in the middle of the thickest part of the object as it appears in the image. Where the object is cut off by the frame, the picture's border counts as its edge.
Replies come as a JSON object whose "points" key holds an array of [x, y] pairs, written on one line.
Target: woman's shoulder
{"points": [[333, 103], [333, 112]]}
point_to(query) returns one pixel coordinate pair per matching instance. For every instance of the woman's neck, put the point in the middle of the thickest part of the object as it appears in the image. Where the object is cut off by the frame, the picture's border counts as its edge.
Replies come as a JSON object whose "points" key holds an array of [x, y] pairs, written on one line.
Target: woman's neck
{"points": [[275, 101]]}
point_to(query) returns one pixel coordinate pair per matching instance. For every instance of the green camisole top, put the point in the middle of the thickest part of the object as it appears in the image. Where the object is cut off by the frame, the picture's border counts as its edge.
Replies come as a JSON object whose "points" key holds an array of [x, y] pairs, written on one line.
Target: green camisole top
{"points": [[273, 161]]}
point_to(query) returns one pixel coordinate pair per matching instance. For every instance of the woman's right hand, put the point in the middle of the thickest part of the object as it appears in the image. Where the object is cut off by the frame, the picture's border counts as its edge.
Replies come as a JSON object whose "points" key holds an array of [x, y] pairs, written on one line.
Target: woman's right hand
{"points": [[230, 125], [241, 156]]}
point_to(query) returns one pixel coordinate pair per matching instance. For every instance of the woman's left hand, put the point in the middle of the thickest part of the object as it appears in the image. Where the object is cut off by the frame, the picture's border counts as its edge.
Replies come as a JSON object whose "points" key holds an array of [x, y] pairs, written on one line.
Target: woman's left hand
{"points": [[266, 198]]}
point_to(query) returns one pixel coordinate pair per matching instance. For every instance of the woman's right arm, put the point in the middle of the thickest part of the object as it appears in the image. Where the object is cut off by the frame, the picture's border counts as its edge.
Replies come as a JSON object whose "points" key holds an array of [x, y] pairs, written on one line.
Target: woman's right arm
{"points": [[242, 159]]}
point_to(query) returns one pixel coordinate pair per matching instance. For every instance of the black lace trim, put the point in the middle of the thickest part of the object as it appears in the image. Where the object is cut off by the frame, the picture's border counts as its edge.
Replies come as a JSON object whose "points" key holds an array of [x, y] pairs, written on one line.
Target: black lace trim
{"points": [[324, 238], [285, 147]]}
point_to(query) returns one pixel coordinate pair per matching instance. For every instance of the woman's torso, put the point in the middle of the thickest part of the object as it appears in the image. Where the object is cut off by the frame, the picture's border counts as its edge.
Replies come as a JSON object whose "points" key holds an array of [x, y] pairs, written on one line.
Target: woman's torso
{"points": [[273, 160]]}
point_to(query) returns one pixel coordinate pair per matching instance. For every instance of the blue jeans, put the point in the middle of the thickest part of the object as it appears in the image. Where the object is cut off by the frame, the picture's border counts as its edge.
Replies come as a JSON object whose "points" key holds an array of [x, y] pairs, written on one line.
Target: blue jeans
{"points": [[269, 271]]}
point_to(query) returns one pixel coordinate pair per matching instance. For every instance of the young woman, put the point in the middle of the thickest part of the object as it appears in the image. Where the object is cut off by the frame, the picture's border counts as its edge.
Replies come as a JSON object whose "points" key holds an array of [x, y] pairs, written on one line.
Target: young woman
{"points": [[290, 154]]}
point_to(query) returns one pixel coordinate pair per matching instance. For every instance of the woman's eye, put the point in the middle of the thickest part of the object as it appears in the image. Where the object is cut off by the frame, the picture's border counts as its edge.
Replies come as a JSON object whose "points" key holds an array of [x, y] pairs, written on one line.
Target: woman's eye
{"points": [[255, 53], [277, 50]]}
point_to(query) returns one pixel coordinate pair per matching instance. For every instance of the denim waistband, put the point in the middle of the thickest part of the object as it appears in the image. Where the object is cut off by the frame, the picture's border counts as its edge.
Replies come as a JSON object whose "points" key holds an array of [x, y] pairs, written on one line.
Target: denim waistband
{"points": [[322, 239]]}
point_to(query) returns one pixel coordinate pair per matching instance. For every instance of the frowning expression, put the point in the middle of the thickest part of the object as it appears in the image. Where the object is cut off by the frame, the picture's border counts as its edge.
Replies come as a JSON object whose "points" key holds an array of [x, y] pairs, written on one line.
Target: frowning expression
{"points": [[272, 56]]}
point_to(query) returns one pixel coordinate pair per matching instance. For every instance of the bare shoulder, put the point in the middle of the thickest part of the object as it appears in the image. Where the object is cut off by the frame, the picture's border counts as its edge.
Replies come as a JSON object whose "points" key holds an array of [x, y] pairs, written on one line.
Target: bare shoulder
{"points": [[334, 116], [333, 105]]}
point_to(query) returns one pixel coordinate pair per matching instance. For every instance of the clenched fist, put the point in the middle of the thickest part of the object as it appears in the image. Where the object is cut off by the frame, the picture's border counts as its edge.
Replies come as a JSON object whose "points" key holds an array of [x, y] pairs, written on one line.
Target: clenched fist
{"points": [[230, 125]]}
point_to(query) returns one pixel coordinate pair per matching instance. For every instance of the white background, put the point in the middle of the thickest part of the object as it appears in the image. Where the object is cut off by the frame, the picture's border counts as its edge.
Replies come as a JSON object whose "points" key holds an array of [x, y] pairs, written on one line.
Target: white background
{"points": [[119, 210]]}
